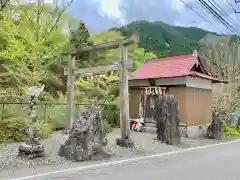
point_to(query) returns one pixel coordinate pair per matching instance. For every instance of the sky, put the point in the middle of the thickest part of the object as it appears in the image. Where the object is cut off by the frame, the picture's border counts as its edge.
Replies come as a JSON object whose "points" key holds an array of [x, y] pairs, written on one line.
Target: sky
{"points": [[103, 14], [100, 15]]}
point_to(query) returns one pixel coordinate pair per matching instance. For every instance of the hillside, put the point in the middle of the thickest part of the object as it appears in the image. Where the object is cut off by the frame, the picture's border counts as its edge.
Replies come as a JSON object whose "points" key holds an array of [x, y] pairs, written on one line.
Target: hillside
{"points": [[155, 35]]}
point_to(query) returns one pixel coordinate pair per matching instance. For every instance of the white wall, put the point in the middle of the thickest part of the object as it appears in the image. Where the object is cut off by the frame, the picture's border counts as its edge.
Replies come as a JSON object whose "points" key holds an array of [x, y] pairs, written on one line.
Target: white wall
{"points": [[197, 82], [188, 81]]}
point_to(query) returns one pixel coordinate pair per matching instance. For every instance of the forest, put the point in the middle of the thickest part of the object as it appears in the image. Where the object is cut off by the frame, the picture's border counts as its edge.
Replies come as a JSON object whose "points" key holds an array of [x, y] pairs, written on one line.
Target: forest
{"points": [[36, 38]]}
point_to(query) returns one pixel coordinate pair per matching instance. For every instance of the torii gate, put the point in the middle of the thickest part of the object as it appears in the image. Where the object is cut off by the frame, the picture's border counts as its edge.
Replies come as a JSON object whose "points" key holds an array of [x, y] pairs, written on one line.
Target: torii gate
{"points": [[121, 66]]}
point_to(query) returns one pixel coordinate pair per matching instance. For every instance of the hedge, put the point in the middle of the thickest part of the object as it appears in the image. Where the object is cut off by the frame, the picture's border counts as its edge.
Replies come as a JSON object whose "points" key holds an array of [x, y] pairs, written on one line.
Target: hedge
{"points": [[11, 130]]}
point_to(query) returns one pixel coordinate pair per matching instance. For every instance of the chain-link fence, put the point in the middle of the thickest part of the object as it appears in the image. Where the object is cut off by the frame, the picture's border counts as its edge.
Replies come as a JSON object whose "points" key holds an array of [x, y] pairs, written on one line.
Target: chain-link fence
{"points": [[55, 113]]}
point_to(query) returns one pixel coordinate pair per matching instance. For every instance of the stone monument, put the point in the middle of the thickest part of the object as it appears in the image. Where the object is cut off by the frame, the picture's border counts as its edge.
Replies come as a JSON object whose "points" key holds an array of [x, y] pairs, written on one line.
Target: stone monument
{"points": [[167, 119], [86, 138], [33, 93], [31, 147]]}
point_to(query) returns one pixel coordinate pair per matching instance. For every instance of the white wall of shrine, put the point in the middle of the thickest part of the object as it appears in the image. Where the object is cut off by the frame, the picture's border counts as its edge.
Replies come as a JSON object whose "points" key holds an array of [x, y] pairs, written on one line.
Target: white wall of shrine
{"points": [[187, 81]]}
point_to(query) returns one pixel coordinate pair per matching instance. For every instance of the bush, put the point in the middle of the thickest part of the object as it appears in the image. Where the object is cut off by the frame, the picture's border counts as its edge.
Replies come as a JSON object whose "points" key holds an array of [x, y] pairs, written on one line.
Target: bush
{"points": [[107, 127], [43, 130], [230, 130], [57, 117], [11, 130], [111, 114]]}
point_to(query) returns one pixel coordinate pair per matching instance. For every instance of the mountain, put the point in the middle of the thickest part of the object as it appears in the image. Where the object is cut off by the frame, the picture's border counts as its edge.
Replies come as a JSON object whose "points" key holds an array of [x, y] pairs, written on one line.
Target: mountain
{"points": [[165, 39]]}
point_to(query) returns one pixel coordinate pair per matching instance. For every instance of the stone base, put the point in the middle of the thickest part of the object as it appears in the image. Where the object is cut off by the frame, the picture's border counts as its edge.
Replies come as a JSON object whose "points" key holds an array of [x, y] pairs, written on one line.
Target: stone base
{"points": [[30, 152], [197, 131], [128, 143], [186, 132], [72, 153]]}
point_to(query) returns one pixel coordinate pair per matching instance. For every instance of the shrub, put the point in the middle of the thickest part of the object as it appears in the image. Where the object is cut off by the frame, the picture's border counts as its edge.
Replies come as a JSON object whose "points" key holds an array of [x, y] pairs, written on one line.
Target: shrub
{"points": [[111, 114], [107, 127], [43, 130], [11, 130], [57, 117], [230, 130]]}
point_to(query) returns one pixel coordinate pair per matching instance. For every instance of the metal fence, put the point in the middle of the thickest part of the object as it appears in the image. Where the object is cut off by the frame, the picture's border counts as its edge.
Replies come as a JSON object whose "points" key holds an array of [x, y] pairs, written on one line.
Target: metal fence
{"points": [[55, 113]]}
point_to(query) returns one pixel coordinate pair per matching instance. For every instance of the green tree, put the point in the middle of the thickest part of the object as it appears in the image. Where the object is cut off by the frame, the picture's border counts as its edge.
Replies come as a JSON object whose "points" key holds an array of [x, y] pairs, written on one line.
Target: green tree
{"points": [[79, 38], [32, 41], [138, 55], [155, 35]]}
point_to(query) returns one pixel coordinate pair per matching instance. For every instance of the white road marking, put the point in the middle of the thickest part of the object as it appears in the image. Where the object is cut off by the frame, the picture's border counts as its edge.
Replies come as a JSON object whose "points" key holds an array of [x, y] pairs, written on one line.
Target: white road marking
{"points": [[107, 164]]}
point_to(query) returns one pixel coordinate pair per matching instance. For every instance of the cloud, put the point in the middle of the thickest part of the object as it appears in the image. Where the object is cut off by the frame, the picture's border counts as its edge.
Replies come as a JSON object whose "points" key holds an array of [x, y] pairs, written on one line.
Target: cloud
{"points": [[104, 14], [111, 9]]}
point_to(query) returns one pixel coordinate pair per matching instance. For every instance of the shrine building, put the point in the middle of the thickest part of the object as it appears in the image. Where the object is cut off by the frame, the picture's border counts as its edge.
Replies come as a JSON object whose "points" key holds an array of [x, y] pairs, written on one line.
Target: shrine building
{"points": [[182, 76]]}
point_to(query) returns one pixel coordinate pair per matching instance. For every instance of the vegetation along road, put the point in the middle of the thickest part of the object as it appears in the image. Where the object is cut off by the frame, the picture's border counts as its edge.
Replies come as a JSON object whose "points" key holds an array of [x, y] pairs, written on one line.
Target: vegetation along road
{"points": [[218, 161]]}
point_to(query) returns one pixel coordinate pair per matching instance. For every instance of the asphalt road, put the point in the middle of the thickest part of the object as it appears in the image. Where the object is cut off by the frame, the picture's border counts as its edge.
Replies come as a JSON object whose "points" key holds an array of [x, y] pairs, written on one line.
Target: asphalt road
{"points": [[210, 162]]}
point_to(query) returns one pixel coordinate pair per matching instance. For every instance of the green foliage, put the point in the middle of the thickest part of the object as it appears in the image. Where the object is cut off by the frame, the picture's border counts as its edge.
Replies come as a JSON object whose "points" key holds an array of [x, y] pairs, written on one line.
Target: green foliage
{"points": [[31, 44], [138, 55], [111, 114], [155, 35], [43, 130], [79, 37], [97, 88], [56, 117], [107, 127], [11, 130], [230, 130]]}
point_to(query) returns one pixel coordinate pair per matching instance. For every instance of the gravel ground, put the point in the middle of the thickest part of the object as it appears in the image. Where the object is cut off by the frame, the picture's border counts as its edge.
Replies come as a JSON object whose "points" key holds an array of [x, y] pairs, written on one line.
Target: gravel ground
{"points": [[144, 144]]}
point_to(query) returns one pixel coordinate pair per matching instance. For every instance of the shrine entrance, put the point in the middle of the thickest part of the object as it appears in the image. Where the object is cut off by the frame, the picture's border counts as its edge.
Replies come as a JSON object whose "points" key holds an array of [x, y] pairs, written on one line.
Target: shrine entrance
{"points": [[148, 99]]}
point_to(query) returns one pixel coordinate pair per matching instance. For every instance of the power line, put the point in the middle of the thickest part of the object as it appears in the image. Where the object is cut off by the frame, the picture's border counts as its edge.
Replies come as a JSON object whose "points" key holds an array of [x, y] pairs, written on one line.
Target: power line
{"points": [[233, 8], [231, 19], [216, 15], [223, 13], [196, 12], [223, 21], [209, 11]]}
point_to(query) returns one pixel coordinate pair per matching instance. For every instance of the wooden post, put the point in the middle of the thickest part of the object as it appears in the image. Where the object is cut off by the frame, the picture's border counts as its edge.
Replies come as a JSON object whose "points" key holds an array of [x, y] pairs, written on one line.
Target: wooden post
{"points": [[126, 93], [125, 140], [70, 90], [122, 86]]}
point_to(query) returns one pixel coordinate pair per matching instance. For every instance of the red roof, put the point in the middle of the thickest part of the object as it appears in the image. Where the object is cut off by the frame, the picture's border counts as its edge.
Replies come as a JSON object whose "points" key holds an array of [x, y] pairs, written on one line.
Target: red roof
{"points": [[169, 67]]}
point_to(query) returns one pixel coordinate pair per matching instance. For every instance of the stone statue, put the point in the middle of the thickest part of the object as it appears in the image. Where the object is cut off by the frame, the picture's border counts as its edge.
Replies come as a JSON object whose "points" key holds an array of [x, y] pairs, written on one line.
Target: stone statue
{"points": [[167, 120], [33, 93], [86, 138], [32, 147]]}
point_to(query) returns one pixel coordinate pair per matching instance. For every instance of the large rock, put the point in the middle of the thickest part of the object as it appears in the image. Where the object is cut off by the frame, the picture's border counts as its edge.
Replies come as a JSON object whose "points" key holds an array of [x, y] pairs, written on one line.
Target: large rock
{"points": [[167, 118], [86, 138]]}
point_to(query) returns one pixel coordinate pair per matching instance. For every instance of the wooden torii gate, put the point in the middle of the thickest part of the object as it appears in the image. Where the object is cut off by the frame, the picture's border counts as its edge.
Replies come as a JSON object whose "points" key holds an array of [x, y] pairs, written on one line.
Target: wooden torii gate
{"points": [[122, 65]]}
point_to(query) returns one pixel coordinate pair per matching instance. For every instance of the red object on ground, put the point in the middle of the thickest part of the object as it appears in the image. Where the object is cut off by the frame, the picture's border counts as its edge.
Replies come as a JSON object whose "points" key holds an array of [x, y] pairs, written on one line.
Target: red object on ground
{"points": [[130, 124]]}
